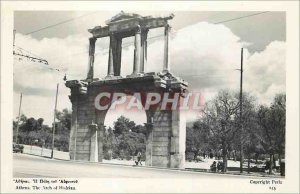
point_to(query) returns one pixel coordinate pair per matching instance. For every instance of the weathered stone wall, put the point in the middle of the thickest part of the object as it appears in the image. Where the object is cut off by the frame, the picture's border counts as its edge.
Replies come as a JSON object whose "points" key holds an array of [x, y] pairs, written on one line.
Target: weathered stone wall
{"points": [[178, 138], [165, 145], [82, 116], [168, 139], [161, 138]]}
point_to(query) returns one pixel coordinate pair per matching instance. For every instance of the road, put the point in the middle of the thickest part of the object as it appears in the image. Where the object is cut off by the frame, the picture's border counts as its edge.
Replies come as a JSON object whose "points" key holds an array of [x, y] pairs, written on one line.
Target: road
{"points": [[27, 166]]}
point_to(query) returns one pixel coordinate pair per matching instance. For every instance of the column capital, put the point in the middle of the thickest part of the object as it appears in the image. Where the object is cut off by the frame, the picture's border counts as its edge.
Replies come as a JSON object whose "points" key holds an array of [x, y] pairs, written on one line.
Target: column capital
{"points": [[93, 126], [167, 28], [138, 29], [145, 30], [92, 39]]}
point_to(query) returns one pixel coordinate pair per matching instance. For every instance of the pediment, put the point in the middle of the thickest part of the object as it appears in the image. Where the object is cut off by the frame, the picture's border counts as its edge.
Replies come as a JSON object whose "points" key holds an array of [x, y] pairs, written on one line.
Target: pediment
{"points": [[123, 16]]}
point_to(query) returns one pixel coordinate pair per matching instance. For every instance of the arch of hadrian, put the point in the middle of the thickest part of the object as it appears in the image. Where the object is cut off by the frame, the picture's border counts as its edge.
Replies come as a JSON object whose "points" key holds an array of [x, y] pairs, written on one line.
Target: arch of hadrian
{"points": [[166, 129]]}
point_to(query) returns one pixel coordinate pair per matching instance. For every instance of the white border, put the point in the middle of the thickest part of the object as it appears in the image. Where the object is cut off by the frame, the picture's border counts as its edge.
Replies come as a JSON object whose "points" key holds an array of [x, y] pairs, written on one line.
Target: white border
{"points": [[291, 182]]}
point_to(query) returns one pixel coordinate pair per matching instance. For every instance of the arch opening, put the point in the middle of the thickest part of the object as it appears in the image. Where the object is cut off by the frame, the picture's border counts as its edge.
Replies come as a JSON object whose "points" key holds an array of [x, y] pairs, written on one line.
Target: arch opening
{"points": [[124, 134]]}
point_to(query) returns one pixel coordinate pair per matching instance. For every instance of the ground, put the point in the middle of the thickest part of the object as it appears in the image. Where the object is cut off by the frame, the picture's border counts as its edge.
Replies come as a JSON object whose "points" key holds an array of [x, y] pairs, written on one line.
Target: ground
{"points": [[35, 166], [27, 164]]}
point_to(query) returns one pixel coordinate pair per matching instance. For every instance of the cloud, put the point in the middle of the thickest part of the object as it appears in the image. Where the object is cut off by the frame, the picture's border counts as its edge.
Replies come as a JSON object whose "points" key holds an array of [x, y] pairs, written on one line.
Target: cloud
{"points": [[265, 72], [204, 54]]}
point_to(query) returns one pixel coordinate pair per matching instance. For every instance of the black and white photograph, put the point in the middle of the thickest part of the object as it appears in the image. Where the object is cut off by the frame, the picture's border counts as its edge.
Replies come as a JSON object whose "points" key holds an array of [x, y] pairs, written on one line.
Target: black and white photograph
{"points": [[173, 97]]}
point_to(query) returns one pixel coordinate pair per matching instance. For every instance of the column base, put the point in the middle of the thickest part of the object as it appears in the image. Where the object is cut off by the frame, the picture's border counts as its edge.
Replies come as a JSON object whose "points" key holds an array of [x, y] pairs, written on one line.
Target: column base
{"points": [[92, 80], [135, 75], [165, 72], [177, 161], [113, 77]]}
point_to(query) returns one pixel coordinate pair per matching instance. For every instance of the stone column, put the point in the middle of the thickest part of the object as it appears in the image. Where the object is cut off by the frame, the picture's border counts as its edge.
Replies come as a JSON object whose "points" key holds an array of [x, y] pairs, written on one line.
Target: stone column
{"points": [[110, 71], [100, 142], [94, 142], [149, 138], [118, 56], [137, 51], [144, 50], [74, 125], [90, 74], [166, 67], [178, 138], [99, 120]]}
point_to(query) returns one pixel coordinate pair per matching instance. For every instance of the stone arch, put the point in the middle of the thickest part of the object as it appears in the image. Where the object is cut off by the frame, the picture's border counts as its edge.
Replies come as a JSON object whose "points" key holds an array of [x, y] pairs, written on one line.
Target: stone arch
{"points": [[115, 111], [166, 128], [106, 114]]}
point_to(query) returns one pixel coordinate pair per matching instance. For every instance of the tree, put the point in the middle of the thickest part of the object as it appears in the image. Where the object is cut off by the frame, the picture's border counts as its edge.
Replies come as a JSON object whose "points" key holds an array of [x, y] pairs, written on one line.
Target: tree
{"points": [[108, 137], [197, 138], [33, 130], [125, 140], [30, 125], [63, 127], [272, 124], [139, 129], [250, 136], [217, 115], [23, 119], [122, 125], [279, 109]]}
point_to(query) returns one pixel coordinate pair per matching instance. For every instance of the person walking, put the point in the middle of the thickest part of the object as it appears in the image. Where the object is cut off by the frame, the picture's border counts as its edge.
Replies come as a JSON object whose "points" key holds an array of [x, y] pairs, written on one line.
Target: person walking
{"points": [[139, 158], [219, 166]]}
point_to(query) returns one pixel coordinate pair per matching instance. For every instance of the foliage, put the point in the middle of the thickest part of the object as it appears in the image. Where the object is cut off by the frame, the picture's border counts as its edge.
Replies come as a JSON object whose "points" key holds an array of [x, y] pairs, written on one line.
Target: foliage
{"points": [[220, 129], [272, 125], [217, 116], [125, 140], [197, 139], [34, 132], [123, 125]]}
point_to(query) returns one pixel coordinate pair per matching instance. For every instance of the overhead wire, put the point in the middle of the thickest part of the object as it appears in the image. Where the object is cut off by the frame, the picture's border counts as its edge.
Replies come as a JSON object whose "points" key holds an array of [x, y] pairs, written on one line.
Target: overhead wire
{"points": [[131, 43], [246, 16], [209, 17], [158, 36], [27, 51], [62, 22]]}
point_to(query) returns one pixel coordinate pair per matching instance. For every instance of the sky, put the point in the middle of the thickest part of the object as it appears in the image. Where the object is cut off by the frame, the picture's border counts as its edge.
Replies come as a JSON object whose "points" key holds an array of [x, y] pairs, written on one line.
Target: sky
{"points": [[204, 50]]}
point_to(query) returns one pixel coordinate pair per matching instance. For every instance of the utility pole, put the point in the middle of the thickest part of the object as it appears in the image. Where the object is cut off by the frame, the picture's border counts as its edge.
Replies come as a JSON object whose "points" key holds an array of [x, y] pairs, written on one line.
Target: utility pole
{"points": [[17, 135], [241, 111], [53, 131], [14, 38], [76, 128]]}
